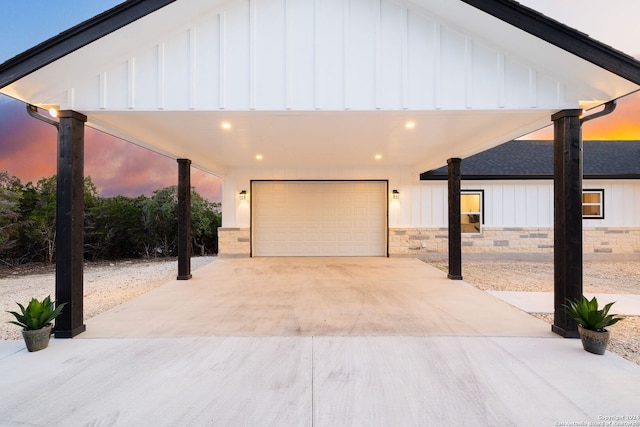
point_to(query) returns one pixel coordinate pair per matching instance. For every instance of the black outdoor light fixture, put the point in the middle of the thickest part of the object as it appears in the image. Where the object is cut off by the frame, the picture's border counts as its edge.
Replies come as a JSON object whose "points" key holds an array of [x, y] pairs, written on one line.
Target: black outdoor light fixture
{"points": [[396, 194], [243, 195]]}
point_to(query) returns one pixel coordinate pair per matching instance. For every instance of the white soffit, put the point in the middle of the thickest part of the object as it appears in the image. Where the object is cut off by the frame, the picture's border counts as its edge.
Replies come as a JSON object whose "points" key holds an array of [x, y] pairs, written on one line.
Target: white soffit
{"points": [[319, 138], [315, 83]]}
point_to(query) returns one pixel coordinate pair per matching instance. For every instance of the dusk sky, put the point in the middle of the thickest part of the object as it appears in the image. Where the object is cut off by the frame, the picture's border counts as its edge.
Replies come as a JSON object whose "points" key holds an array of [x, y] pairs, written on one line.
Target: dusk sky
{"points": [[28, 147]]}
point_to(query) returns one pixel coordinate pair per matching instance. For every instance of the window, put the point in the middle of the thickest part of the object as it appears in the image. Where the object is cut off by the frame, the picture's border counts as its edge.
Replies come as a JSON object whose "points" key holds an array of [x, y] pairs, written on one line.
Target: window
{"points": [[593, 204], [471, 211]]}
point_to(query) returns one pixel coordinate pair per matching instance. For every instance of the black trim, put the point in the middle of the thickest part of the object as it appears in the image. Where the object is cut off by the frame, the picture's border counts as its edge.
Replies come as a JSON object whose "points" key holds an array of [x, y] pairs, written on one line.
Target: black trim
{"points": [[467, 191], [76, 37], [562, 36], [594, 190]]}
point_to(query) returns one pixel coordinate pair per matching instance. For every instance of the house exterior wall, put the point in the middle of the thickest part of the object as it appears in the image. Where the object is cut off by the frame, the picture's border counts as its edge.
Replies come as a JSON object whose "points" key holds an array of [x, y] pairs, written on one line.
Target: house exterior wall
{"points": [[274, 55], [518, 215], [423, 242], [234, 242]]}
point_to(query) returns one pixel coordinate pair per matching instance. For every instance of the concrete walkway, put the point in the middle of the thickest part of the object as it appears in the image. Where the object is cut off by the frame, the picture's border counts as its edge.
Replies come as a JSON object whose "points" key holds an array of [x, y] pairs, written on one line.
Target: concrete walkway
{"points": [[542, 302], [322, 342]]}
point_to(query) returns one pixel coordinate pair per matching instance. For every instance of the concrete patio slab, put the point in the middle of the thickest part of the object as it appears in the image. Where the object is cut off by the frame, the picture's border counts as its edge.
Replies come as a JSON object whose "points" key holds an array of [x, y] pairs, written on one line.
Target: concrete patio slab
{"points": [[542, 302], [315, 342], [10, 347], [315, 381], [313, 297], [227, 381], [474, 381]]}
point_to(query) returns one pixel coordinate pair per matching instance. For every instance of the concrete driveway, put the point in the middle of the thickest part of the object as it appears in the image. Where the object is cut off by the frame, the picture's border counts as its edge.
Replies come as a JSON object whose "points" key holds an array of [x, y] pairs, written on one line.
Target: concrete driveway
{"points": [[315, 297], [315, 342]]}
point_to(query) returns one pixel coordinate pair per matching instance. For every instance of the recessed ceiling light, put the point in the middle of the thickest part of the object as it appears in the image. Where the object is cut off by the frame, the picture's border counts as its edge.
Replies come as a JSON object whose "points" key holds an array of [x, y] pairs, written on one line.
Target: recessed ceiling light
{"points": [[225, 125], [259, 156], [378, 156], [410, 125]]}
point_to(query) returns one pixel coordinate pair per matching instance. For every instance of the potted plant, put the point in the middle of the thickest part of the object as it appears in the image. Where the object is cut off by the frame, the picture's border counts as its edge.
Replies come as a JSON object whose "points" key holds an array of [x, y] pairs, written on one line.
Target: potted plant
{"points": [[36, 322], [592, 323]]}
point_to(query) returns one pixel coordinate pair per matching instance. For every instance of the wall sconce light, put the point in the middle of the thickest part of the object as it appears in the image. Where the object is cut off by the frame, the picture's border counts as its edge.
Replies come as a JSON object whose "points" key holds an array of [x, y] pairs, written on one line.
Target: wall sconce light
{"points": [[396, 194], [32, 110], [243, 195]]}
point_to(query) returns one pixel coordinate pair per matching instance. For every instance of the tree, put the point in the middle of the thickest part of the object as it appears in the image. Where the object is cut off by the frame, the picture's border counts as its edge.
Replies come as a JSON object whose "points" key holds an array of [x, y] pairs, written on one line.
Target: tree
{"points": [[205, 220], [161, 221], [40, 200], [118, 229], [10, 218], [115, 228]]}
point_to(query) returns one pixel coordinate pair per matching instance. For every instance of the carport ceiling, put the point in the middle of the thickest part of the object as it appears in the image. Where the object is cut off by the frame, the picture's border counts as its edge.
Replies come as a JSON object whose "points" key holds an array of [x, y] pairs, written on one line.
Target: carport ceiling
{"points": [[309, 84], [418, 140]]}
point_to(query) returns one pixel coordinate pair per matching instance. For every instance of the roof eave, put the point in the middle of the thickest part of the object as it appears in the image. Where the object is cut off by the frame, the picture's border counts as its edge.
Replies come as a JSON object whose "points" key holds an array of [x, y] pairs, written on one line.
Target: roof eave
{"points": [[509, 11], [76, 37], [562, 36]]}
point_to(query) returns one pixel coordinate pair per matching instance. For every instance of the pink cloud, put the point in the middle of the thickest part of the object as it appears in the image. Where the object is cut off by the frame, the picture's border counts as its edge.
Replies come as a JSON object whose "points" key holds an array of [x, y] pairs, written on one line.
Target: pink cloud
{"points": [[28, 151]]}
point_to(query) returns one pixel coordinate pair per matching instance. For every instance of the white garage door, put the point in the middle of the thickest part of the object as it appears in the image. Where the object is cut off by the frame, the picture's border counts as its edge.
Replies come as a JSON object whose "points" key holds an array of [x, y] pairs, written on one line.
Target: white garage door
{"points": [[319, 218]]}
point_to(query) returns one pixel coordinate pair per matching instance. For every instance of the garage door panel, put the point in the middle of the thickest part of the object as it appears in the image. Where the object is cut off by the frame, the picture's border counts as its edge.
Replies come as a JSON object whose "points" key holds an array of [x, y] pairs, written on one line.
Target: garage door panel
{"points": [[319, 218]]}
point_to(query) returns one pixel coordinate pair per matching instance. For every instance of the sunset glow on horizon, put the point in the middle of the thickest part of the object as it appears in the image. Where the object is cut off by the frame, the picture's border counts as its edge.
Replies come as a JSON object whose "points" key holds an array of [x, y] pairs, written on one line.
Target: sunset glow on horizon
{"points": [[115, 166], [621, 125]]}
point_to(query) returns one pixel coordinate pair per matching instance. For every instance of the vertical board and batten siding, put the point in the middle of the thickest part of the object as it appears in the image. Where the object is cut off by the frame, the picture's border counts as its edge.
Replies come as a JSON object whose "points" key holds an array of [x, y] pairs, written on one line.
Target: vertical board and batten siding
{"points": [[306, 55], [622, 203], [236, 213], [518, 204], [424, 203]]}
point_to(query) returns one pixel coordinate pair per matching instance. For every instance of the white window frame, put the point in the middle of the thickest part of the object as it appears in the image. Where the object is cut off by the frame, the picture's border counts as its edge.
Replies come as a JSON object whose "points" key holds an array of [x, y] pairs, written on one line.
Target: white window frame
{"points": [[599, 191], [480, 213]]}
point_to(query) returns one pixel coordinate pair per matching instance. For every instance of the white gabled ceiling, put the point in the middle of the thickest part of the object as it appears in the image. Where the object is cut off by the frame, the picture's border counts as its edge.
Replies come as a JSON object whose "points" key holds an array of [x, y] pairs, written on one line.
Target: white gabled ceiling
{"points": [[310, 84]]}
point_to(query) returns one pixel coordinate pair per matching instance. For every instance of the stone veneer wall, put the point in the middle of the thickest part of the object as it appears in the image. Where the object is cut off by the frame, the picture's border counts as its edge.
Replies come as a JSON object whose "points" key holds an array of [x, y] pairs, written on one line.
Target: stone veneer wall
{"points": [[234, 242], [423, 241]]}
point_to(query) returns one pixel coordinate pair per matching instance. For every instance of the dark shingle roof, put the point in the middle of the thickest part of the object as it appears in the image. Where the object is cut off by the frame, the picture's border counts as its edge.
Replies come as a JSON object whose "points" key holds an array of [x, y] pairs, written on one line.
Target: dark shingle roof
{"points": [[534, 160]]}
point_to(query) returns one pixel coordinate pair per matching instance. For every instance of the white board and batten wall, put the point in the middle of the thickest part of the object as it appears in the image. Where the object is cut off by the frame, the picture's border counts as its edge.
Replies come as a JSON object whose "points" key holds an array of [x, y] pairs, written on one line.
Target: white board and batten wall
{"points": [[423, 204], [287, 209], [522, 203]]}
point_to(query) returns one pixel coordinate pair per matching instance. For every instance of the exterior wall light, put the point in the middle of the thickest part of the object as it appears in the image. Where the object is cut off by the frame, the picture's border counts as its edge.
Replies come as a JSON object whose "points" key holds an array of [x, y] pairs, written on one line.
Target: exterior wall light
{"points": [[396, 194], [243, 195], [32, 110]]}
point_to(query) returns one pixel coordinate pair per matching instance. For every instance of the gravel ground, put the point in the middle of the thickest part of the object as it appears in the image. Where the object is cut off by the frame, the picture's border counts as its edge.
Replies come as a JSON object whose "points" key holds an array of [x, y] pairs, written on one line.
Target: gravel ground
{"points": [[105, 286], [109, 284], [620, 277]]}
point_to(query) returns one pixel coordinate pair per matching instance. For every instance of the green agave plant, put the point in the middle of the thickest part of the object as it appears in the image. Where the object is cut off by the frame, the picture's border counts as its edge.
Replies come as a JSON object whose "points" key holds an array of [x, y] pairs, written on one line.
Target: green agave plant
{"points": [[37, 314], [587, 314]]}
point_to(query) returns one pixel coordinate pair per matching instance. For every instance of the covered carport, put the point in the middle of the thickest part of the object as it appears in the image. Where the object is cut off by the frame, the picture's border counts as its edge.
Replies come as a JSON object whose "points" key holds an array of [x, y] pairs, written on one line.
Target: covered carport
{"points": [[217, 84]]}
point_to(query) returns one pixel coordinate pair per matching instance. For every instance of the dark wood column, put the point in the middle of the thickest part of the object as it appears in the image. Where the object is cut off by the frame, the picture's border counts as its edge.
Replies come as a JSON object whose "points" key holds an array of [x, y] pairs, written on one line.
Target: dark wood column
{"points": [[567, 166], [70, 224], [455, 228], [184, 219]]}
